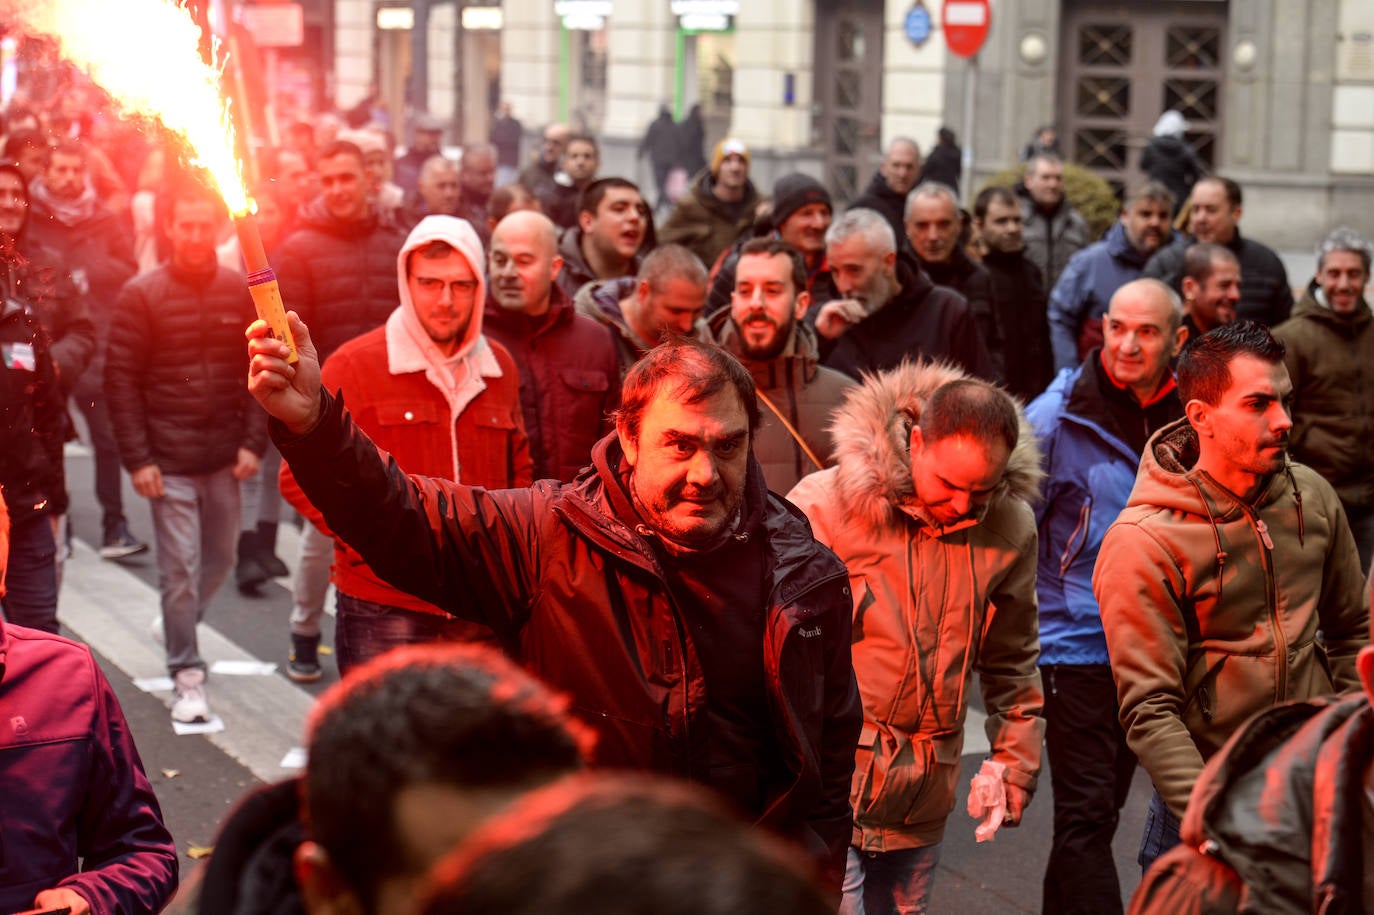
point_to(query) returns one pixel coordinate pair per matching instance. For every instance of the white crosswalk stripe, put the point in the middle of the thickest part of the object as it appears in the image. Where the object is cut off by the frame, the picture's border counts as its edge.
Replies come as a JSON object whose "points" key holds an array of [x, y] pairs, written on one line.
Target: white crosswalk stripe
{"points": [[109, 608]]}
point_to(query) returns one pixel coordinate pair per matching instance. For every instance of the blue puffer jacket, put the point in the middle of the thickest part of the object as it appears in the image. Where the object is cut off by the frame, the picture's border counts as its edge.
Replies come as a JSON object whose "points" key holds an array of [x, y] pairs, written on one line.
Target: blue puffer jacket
{"points": [[1085, 288], [1089, 473]]}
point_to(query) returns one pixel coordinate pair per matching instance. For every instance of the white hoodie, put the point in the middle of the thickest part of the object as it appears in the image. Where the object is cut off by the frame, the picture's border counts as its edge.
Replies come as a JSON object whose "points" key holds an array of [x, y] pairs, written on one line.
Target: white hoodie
{"points": [[408, 347]]}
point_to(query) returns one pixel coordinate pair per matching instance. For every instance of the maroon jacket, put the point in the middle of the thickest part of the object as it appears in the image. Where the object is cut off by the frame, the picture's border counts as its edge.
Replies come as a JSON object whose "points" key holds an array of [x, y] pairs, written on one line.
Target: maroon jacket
{"points": [[569, 381]]}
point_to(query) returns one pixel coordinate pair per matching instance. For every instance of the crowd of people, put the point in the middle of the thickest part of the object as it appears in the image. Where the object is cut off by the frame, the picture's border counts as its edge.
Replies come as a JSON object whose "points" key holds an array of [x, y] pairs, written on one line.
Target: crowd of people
{"points": [[746, 497]]}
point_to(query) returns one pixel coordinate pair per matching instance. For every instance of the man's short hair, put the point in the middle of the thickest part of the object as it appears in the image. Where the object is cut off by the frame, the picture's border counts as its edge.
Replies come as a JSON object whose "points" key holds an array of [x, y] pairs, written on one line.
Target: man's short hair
{"points": [[620, 845], [871, 224], [590, 199], [182, 187], [1160, 288], [1198, 260], [1204, 368], [928, 190], [433, 164], [1043, 155], [1229, 187], [342, 148], [970, 408], [672, 262], [769, 247], [904, 141], [692, 371], [1154, 191], [67, 148], [458, 715], [1003, 195], [584, 138], [21, 140], [476, 149], [505, 197], [1342, 238]]}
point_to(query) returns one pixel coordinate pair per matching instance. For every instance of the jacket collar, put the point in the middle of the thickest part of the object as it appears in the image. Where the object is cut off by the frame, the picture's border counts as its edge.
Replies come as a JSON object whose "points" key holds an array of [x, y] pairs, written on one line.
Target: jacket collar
{"points": [[872, 431]]}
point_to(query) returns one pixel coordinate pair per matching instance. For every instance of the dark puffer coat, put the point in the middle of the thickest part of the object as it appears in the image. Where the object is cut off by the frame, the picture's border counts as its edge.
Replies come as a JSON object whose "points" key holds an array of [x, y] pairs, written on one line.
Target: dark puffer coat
{"points": [[174, 373], [339, 277], [572, 584], [33, 420]]}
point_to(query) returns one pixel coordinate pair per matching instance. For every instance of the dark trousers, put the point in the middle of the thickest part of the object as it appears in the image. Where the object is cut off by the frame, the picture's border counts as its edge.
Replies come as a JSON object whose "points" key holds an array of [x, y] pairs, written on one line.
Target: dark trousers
{"points": [[1090, 772], [364, 629], [31, 579], [90, 400]]}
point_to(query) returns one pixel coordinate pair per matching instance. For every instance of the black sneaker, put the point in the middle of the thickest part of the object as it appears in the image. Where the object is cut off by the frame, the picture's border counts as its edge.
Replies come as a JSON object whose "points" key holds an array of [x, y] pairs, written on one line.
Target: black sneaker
{"points": [[304, 666], [120, 544]]}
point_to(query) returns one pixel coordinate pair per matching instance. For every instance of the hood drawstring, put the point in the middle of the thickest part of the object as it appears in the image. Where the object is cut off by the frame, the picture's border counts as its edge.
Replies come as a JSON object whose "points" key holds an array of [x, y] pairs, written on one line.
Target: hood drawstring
{"points": [[1216, 536], [1297, 497]]}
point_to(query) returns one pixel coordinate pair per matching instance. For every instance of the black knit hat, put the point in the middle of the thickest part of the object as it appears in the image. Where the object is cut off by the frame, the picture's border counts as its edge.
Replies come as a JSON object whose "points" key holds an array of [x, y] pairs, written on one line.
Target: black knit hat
{"points": [[794, 191]]}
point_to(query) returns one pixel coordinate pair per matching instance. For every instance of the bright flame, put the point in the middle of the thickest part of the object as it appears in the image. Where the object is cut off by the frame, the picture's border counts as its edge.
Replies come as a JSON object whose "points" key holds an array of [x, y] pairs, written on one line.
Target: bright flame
{"points": [[145, 54]]}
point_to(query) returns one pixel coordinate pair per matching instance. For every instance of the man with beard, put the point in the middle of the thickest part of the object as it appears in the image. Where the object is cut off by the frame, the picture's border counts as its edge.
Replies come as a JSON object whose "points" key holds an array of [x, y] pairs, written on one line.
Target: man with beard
{"points": [[1214, 216], [1231, 581], [569, 368], [607, 242], [1093, 275], [439, 399], [1018, 294], [889, 310], [1211, 287], [688, 613], [763, 328], [802, 211]]}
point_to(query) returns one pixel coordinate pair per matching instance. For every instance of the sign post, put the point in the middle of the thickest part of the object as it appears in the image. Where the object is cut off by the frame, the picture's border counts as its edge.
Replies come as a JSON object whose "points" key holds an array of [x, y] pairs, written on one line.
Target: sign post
{"points": [[965, 24]]}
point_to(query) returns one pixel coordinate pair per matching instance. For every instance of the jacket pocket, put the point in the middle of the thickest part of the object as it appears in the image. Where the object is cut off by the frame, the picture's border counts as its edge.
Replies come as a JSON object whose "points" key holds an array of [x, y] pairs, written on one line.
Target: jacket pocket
{"points": [[587, 381], [894, 776], [1200, 684], [407, 413], [1077, 537]]}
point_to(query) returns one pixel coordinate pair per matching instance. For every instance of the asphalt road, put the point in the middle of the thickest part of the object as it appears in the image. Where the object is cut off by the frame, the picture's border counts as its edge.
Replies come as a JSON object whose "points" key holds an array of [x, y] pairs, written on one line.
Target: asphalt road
{"points": [[198, 778]]}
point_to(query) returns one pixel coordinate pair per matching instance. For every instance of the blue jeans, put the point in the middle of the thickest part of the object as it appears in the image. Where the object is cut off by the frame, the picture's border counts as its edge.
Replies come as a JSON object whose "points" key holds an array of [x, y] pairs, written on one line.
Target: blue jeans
{"points": [[31, 580], [1161, 832], [364, 629], [889, 882]]}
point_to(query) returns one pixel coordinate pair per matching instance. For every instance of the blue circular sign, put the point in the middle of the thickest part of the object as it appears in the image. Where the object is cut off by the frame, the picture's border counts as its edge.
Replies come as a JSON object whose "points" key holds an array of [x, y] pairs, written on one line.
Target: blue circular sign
{"points": [[917, 24]]}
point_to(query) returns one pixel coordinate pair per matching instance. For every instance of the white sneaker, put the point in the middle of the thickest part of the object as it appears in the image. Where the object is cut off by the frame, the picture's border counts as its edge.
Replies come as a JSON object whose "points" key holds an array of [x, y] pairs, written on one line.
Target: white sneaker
{"points": [[155, 630], [190, 705]]}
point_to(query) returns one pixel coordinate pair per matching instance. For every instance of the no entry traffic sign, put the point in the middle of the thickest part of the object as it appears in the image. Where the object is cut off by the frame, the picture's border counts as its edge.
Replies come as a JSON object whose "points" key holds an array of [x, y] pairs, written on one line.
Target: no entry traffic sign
{"points": [[965, 24]]}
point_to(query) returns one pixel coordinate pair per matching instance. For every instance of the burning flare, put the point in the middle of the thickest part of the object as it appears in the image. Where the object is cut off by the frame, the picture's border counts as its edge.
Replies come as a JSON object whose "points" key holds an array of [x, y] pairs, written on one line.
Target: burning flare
{"points": [[145, 54]]}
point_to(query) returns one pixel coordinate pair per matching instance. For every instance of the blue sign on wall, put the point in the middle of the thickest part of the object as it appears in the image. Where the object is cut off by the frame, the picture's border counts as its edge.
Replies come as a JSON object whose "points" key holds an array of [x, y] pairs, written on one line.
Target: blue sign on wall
{"points": [[917, 24]]}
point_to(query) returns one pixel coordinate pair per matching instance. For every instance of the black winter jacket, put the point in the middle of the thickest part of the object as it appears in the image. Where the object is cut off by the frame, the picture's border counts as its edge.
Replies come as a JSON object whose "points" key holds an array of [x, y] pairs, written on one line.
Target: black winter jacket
{"points": [[972, 282], [98, 250], [1021, 308], [573, 586], [174, 373], [923, 320], [33, 418], [339, 277], [1265, 295]]}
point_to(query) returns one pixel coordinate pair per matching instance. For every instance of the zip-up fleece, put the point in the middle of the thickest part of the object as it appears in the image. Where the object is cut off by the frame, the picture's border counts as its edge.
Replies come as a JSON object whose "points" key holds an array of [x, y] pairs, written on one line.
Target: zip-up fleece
{"points": [[569, 580], [932, 605], [1212, 607]]}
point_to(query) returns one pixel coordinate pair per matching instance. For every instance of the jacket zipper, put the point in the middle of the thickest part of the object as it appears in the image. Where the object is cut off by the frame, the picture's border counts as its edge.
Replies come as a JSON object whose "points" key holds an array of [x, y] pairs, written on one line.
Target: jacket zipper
{"points": [[1271, 588]]}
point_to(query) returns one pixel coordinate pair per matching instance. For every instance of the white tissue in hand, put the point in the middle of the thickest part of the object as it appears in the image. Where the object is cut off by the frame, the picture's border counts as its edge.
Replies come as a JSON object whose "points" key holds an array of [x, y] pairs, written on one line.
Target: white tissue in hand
{"points": [[987, 799]]}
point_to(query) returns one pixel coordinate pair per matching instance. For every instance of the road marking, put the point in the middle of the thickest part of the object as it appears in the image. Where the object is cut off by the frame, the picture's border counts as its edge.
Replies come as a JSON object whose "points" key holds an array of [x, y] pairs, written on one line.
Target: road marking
{"points": [[109, 609]]}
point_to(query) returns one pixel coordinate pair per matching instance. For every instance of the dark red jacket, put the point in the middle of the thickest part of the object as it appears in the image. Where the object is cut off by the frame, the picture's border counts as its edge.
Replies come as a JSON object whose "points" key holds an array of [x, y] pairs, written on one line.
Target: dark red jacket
{"points": [[77, 808], [569, 381], [575, 592]]}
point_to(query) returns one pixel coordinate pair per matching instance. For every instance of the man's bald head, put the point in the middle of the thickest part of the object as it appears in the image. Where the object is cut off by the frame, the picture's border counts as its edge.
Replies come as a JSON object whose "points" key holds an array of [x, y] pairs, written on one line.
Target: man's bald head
{"points": [[523, 262]]}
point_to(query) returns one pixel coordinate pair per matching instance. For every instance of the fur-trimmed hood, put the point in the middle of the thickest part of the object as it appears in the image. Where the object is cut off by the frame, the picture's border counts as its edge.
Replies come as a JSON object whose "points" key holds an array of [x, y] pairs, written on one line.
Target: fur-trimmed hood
{"points": [[872, 431]]}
